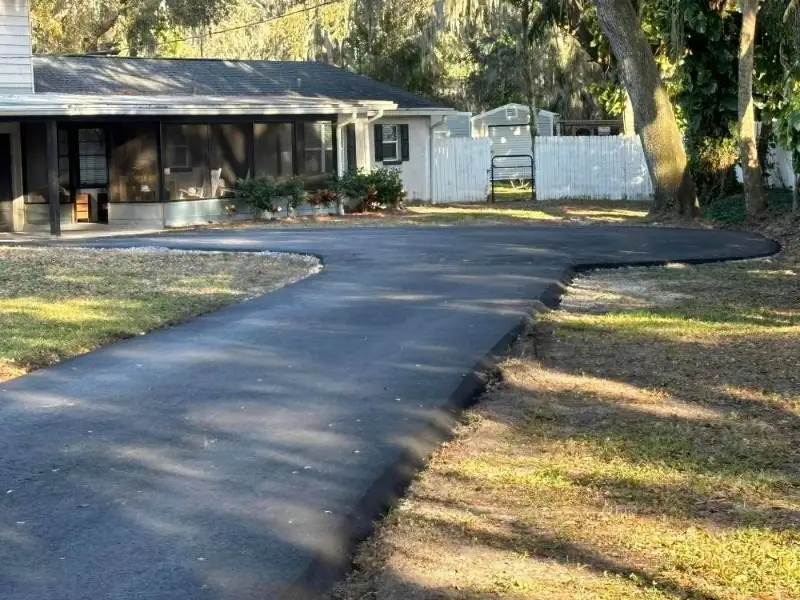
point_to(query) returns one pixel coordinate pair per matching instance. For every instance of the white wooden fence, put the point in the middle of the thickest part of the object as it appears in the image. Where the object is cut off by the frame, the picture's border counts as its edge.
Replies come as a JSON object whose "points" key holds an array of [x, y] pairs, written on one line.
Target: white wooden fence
{"points": [[460, 169], [611, 168]]}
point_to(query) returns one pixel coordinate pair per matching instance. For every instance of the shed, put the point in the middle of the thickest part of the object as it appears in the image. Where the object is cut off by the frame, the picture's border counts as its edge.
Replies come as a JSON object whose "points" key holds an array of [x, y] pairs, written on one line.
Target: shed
{"points": [[455, 125], [507, 127]]}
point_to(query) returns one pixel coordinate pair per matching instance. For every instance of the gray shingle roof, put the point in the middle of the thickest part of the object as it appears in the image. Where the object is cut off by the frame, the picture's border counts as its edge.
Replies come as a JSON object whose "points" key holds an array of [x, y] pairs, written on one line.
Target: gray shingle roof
{"points": [[279, 80]]}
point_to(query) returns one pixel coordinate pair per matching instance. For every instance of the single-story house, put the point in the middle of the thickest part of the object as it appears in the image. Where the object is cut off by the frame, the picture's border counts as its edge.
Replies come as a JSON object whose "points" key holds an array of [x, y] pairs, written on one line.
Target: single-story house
{"points": [[145, 142]]}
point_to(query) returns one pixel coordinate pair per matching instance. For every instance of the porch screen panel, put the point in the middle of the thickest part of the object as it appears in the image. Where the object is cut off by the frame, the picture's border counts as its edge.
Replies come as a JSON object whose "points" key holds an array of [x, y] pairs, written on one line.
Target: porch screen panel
{"points": [[187, 171], [228, 144], [35, 148], [134, 162], [315, 143], [274, 149]]}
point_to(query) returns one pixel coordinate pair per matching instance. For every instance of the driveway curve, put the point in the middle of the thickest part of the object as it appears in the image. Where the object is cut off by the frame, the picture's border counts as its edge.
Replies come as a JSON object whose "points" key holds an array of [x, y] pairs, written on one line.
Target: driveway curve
{"points": [[235, 457]]}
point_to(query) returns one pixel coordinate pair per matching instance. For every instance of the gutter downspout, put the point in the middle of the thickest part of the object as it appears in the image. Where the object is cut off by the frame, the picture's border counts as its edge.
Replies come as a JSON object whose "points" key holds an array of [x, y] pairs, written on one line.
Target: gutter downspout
{"points": [[340, 167], [430, 161], [339, 128]]}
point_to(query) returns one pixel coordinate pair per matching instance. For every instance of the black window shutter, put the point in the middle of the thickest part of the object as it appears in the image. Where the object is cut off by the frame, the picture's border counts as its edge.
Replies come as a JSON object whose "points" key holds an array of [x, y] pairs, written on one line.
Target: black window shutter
{"points": [[378, 143], [404, 142], [299, 149], [350, 132]]}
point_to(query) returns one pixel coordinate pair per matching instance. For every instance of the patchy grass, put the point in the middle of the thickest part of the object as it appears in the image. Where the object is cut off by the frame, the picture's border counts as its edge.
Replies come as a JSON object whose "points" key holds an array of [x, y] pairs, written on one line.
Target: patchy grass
{"points": [[60, 302], [508, 212], [644, 443], [513, 190]]}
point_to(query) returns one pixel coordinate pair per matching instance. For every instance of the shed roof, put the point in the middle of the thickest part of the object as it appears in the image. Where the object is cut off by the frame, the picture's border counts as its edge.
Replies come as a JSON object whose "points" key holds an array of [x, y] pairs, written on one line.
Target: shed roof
{"points": [[521, 107]]}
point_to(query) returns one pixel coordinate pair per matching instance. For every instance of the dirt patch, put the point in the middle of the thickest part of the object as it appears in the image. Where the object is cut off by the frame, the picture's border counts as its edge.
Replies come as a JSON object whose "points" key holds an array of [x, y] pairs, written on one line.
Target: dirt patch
{"points": [[59, 302], [644, 443]]}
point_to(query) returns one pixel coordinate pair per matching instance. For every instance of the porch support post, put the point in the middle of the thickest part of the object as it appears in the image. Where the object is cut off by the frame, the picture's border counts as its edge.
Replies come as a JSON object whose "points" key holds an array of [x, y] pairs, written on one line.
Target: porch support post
{"points": [[364, 151], [53, 195]]}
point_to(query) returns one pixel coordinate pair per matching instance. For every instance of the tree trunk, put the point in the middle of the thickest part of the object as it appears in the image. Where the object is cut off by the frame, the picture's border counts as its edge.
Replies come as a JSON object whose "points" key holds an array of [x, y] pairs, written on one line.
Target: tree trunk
{"points": [[655, 120], [628, 120], [530, 92], [748, 150]]}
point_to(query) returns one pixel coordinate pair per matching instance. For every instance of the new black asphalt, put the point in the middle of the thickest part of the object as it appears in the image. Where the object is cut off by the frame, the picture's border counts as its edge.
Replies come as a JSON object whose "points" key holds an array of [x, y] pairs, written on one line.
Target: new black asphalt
{"points": [[236, 456]]}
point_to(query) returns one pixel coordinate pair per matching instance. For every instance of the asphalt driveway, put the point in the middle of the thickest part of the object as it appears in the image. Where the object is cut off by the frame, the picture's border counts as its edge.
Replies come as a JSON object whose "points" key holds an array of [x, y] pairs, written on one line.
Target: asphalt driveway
{"points": [[233, 456]]}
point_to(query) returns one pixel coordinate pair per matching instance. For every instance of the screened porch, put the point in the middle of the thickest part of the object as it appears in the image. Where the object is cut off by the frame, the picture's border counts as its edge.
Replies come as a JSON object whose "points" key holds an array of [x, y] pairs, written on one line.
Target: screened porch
{"points": [[167, 173]]}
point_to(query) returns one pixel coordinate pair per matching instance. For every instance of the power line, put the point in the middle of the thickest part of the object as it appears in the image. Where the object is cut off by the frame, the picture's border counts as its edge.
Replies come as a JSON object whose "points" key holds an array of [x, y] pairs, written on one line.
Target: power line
{"points": [[245, 26], [202, 36]]}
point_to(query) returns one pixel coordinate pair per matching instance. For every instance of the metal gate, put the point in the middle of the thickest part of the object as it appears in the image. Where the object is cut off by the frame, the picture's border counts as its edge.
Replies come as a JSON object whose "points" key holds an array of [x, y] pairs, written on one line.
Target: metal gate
{"points": [[510, 167]]}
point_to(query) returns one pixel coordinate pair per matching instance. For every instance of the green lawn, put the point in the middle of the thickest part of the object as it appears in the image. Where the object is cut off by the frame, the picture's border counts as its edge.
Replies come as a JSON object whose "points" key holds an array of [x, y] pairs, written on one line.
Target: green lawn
{"points": [[59, 302]]}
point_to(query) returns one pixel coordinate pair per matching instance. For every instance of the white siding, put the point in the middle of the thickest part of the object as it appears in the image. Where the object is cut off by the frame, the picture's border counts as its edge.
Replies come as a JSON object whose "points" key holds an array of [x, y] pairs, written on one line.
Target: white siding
{"points": [[416, 170], [611, 168], [16, 75]]}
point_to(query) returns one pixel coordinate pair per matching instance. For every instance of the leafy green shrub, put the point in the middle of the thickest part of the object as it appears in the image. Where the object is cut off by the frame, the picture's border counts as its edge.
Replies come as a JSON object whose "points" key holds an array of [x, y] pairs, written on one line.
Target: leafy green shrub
{"points": [[355, 184], [260, 194], [373, 188], [293, 189], [388, 186], [266, 193], [732, 209]]}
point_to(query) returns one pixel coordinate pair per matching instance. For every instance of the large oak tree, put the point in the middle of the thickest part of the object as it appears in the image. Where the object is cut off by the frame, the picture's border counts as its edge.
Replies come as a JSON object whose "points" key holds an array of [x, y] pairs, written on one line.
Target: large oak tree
{"points": [[654, 117]]}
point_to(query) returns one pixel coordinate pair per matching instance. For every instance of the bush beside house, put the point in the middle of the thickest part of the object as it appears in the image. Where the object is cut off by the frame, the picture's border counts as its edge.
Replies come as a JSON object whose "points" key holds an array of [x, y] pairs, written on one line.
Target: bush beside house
{"points": [[360, 190]]}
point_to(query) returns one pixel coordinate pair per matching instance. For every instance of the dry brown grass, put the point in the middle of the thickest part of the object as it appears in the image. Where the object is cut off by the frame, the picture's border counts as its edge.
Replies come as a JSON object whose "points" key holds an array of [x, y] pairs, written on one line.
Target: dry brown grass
{"points": [[516, 212], [59, 302], [644, 443]]}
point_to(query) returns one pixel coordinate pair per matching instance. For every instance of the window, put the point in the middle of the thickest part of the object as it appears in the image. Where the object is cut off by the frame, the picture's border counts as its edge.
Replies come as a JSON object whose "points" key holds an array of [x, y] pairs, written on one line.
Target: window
{"points": [[391, 143], [177, 150], [92, 166]]}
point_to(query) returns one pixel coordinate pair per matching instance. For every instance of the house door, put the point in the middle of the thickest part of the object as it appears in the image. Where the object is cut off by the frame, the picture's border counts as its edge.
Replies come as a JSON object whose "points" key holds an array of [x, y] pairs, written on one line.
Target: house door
{"points": [[6, 186]]}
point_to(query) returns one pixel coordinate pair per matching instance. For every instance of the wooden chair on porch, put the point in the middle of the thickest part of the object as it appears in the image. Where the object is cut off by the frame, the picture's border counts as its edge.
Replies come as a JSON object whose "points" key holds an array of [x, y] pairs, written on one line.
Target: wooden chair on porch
{"points": [[82, 208]]}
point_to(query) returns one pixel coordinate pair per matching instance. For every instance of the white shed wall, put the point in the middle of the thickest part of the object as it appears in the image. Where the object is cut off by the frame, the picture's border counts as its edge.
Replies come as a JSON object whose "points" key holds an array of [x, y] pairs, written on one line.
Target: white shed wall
{"points": [[457, 125]]}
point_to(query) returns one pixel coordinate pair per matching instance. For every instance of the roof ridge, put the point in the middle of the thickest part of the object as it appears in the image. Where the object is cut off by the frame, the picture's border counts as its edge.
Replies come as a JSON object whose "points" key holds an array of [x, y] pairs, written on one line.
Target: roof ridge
{"points": [[187, 58]]}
